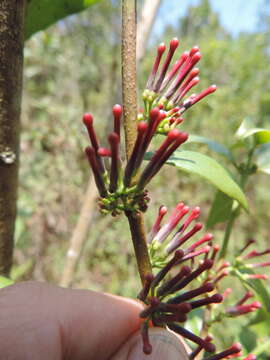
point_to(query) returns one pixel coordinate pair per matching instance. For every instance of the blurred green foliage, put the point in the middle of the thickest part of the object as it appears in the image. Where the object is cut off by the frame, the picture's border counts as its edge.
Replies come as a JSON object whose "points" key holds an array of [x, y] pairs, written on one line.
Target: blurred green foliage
{"points": [[74, 67]]}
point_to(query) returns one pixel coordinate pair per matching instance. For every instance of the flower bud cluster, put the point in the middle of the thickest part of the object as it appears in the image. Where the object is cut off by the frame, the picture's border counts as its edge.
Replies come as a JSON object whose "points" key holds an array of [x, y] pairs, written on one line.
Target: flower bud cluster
{"points": [[188, 278], [246, 269], [124, 189], [167, 88]]}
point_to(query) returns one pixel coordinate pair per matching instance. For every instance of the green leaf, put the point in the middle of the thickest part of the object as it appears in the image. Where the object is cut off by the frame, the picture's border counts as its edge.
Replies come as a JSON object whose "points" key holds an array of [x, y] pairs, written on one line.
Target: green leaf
{"points": [[248, 339], [262, 158], [213, 145], [4, 281], [247, 128], [42, 13], [220, 210], [211, 170]]}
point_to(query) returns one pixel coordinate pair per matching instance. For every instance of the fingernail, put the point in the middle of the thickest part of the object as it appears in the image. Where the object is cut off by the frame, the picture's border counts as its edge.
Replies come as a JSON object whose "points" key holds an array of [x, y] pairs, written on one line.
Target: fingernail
{"points": [[165, 345]]}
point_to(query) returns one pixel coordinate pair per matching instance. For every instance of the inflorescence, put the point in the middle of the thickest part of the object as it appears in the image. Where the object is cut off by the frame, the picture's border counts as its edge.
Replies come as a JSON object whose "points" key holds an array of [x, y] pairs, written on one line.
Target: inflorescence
{"points": [[188, 278], [124, 190], [167, 89], [184, 272]]}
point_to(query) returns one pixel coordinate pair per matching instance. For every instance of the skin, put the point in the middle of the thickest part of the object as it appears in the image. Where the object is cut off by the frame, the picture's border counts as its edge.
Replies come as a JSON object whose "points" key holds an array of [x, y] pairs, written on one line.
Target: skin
{"points": [[42, 321]]}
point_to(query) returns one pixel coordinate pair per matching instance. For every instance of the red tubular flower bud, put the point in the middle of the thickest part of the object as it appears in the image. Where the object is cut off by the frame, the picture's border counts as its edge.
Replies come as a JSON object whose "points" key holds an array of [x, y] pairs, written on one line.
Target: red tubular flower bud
{"points": [[257, 276], [173, 46], [172, 308], [92, 158], [193, 73], [167, 287], [179, 240], [195, 213], [223, 266], [192, 293], [248, 243], [243, 309], [161, 156], [258, 265], [174, 137], [174, 70], [146, 287], [256, 253], [179, 212], [155, 117], [227, 292], [192, 337], [104, 152], [215, 251], [147, 347], [160, 51], [154, 303], [247, 296], [206, 265], [234, 349], [214, 299], [190, 63], [221, 276], [203, 94], [156, 227], [180, 95], [131, 165], [194, 50], [192, 255], [114, 171], [164, 271], [117, 112], [250, 357], [205, 238], [194, 353], [88, 122]]}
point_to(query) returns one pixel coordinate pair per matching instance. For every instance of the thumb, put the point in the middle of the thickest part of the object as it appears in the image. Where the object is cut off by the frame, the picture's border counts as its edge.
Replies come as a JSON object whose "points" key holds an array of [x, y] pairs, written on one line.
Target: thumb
{"points": [[165, 345]]}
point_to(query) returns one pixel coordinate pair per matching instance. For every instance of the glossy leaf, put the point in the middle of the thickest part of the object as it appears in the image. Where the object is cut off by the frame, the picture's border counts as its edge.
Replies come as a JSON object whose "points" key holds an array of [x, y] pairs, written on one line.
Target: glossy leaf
{"points": [[42, 13], [209, 169], [212, 145], [247, 128], [220, 210], [262, 158]]}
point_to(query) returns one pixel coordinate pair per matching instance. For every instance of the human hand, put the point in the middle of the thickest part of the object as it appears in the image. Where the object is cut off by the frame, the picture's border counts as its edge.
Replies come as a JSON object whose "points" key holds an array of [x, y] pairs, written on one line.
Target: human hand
{"points": [[41, 321]]}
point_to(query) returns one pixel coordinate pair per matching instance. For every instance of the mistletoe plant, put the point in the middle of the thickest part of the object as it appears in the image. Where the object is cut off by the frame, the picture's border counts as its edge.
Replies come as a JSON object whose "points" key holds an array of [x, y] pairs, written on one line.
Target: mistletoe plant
{"points": [[180, 272]]}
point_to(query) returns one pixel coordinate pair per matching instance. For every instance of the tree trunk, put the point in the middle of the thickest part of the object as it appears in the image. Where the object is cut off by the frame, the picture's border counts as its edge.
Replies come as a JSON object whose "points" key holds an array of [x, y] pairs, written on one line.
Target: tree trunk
{"points": [[11, 64]]}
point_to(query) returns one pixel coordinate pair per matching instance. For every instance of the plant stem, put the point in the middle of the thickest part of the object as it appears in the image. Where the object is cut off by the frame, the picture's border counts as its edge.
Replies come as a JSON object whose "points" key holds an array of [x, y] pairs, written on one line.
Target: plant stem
{"points": [[129, 84], [129, 93], [236, 211], [233, 215], [136, 225]]}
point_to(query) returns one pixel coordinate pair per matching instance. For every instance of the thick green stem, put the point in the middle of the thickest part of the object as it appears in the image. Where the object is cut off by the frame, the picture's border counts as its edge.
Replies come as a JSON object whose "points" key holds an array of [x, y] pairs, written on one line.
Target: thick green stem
{"points": [[129, 92], [228, 231]]}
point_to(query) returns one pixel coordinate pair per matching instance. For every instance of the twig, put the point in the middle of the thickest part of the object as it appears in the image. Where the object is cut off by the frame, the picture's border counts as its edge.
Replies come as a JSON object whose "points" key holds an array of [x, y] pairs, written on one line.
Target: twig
{"points": [[129, 91]]}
